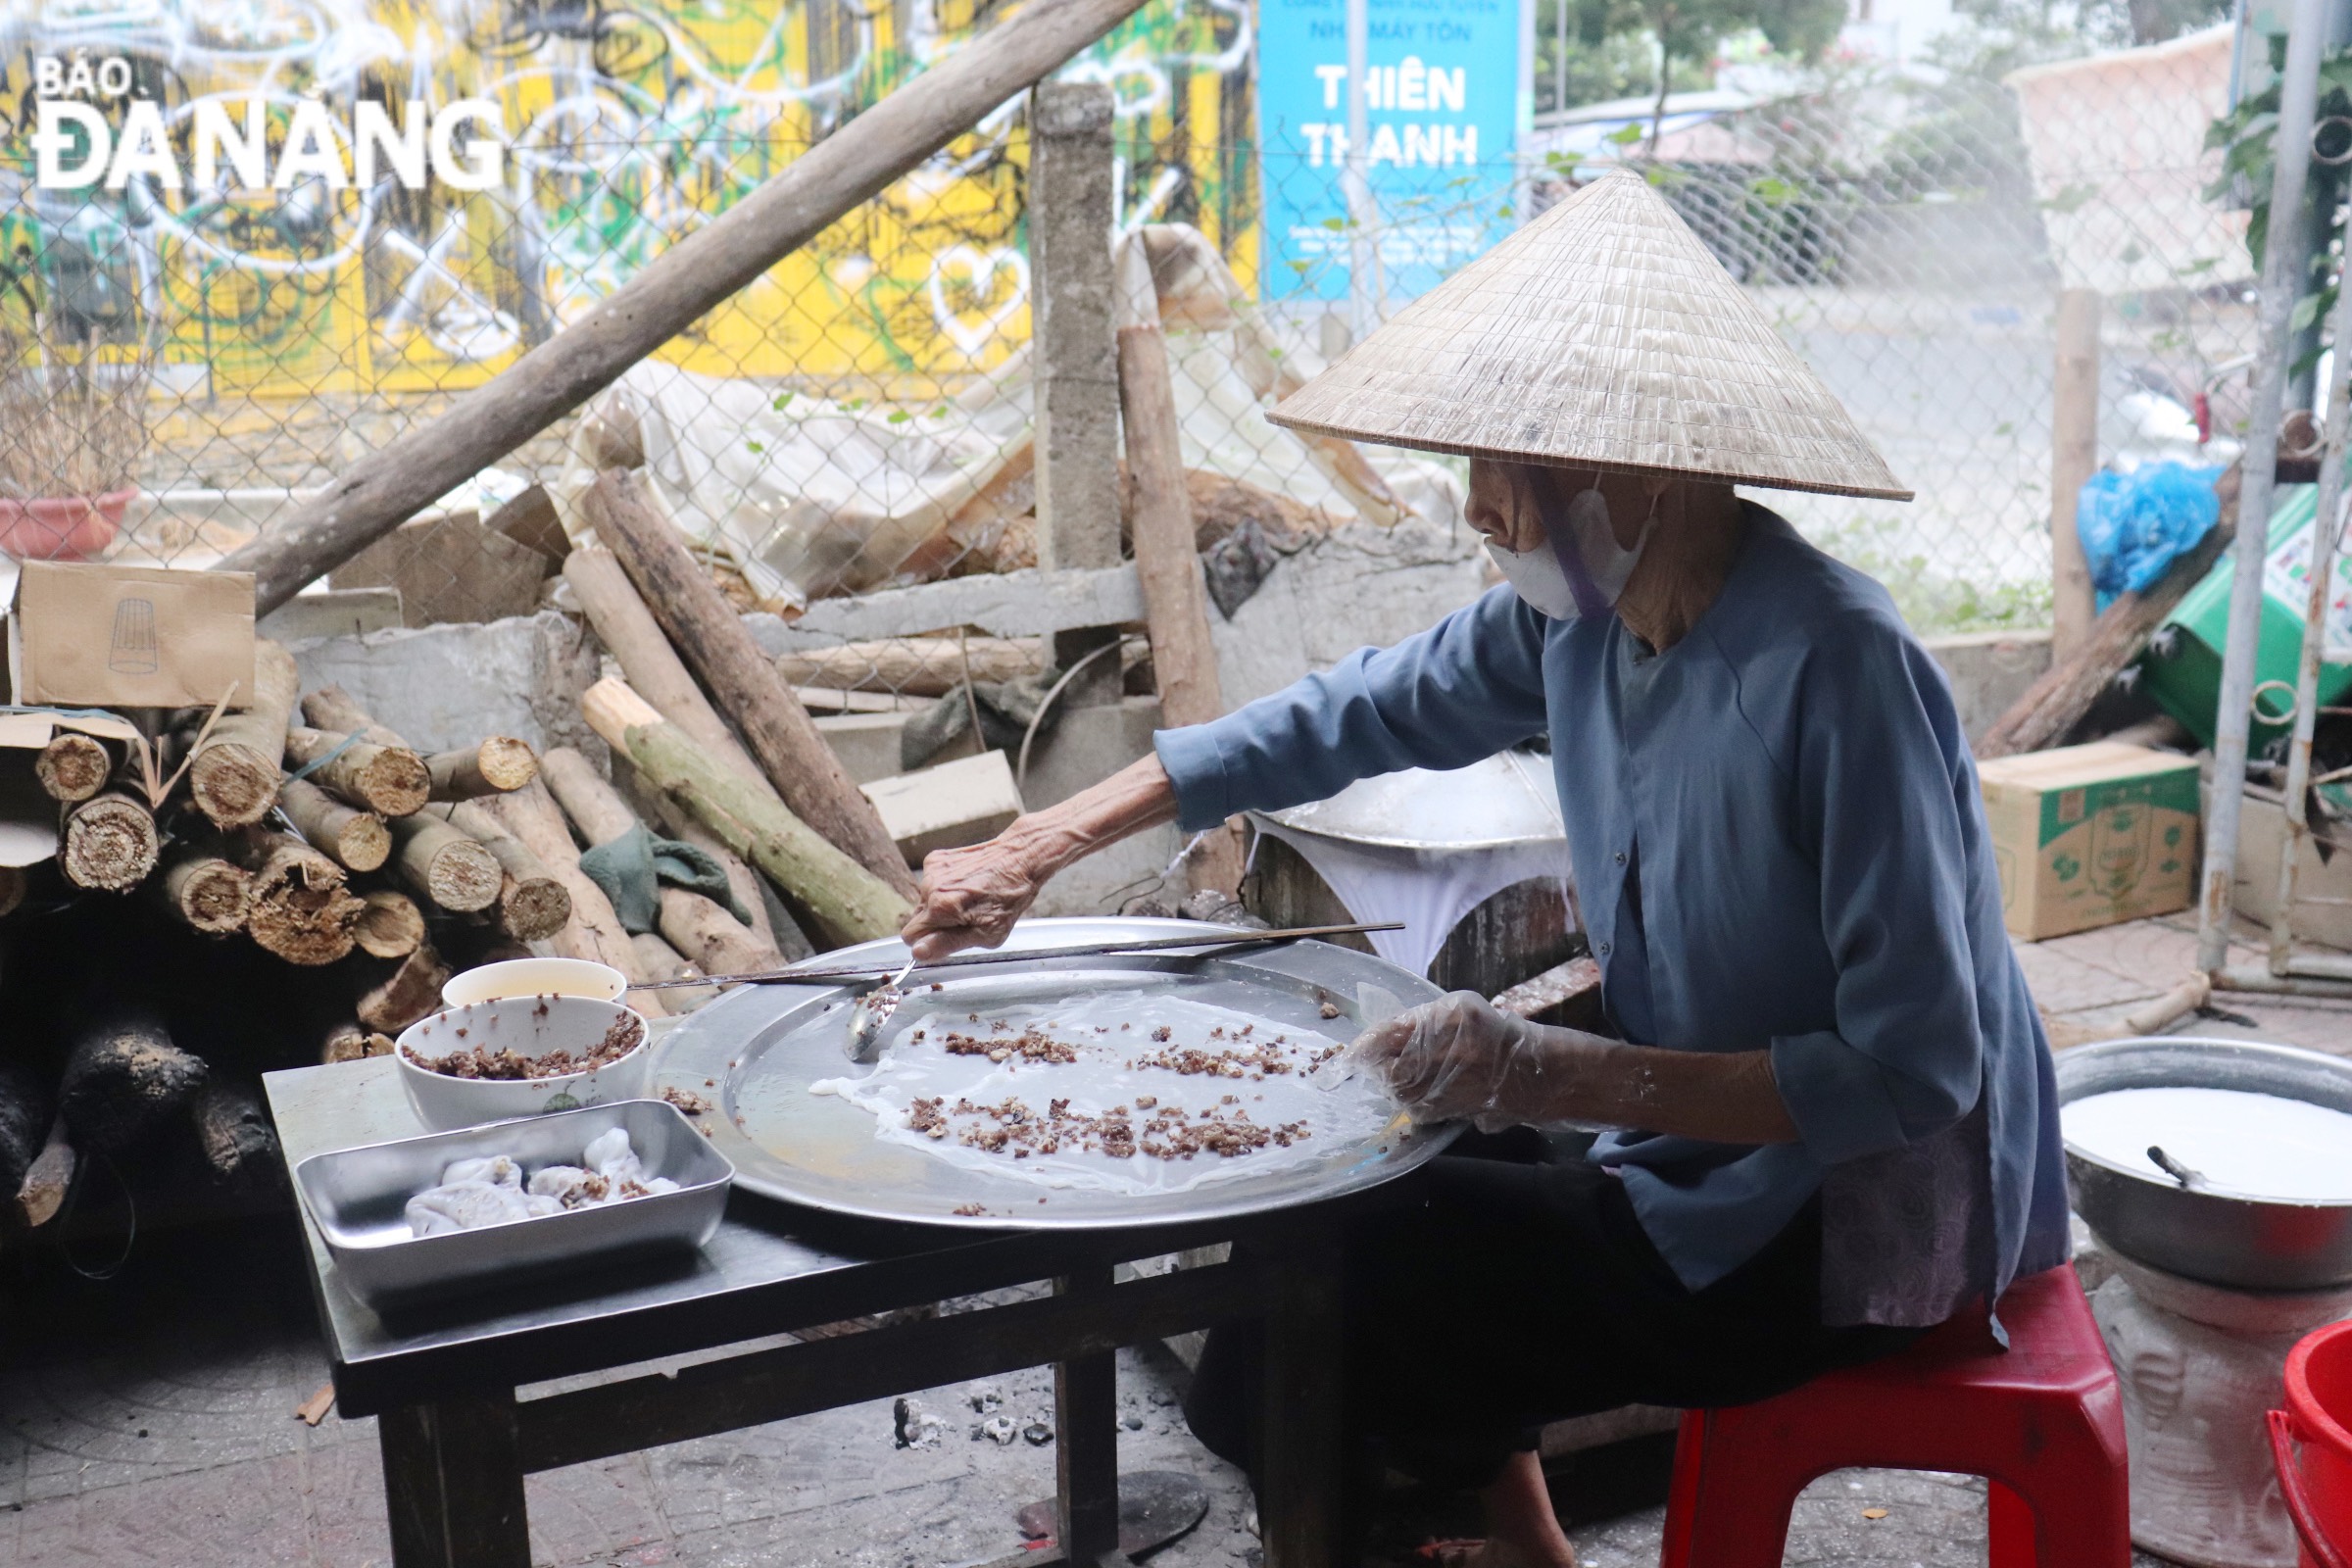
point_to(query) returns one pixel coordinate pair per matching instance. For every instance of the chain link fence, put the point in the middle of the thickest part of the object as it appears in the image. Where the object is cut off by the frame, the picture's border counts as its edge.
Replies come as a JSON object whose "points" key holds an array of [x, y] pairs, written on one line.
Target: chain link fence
{"points": [[858, 418]]}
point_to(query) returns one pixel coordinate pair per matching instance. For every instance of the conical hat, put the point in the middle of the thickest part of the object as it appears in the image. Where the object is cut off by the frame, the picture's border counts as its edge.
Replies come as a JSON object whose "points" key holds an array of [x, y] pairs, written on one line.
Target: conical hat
{"points": [[1603, 335]]}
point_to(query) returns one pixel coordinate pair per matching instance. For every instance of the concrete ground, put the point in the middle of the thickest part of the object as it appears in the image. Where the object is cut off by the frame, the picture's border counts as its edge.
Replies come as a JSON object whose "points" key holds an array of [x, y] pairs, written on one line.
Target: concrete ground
{"points": [[149, 1418]]}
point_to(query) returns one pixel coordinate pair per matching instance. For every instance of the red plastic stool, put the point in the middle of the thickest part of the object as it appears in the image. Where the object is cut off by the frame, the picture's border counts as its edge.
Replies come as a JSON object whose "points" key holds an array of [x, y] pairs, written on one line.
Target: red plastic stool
{"points": [[2042, 1421]]}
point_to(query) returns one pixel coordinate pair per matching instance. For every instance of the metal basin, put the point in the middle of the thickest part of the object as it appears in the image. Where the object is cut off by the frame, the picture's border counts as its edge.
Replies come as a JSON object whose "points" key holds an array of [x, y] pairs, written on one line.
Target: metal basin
{"points": [[2222, 1238]]}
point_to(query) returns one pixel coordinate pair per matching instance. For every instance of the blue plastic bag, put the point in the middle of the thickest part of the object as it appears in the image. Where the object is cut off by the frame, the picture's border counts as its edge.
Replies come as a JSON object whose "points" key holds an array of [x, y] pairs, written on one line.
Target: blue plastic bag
{"points": [[2134, 526]]}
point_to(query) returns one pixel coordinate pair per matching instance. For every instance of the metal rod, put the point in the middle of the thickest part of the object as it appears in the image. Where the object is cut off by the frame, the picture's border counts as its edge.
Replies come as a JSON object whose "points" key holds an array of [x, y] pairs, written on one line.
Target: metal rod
{"points": [[2285, 263], [2327, 522], [1363, 312], [976, 961], [2257, 977]]}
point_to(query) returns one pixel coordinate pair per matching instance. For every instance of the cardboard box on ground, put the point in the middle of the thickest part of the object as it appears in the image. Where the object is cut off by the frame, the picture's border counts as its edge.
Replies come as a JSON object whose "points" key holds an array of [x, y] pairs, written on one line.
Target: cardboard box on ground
{"points": [[2088, 836]]}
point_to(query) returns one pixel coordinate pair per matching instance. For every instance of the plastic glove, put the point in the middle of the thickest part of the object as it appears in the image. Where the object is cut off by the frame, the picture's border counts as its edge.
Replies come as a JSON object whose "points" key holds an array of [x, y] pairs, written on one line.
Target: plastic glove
{"points": [[1460, 1056]]}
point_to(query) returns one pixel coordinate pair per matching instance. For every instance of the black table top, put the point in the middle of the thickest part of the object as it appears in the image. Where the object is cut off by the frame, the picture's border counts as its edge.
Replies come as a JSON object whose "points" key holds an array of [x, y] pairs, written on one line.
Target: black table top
{"points": [[769, 1269]]}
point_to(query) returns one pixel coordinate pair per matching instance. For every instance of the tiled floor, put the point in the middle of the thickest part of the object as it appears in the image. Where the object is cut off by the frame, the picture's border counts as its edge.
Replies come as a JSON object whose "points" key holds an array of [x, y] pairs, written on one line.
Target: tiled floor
{"points": [[148, 1419]]}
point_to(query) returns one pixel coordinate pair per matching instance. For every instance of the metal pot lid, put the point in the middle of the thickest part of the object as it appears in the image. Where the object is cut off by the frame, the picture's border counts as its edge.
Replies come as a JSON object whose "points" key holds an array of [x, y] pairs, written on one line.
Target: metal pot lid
{"points": [[758, 1050], [1509, 797]]}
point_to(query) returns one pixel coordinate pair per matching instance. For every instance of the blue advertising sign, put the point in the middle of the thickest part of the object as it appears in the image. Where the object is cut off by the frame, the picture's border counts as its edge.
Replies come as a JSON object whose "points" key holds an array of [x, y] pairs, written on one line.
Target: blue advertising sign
{"points": [[1441, 101]]}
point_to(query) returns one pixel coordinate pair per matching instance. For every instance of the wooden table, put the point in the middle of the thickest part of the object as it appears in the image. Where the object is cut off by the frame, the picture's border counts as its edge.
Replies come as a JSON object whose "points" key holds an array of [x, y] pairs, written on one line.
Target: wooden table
{"points": [[457, 1440]]}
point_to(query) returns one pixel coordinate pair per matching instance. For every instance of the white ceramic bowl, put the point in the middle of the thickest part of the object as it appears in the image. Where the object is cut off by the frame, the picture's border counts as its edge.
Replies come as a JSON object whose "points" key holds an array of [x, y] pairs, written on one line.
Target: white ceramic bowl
{"points": [[528, 1026], [534, 977]]}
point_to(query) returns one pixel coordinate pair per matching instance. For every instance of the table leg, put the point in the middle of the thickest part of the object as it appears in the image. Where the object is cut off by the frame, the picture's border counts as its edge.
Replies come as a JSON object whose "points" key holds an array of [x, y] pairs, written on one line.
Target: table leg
{"points": [[1299, 1512], [452, 1483], [1085, 1421]]}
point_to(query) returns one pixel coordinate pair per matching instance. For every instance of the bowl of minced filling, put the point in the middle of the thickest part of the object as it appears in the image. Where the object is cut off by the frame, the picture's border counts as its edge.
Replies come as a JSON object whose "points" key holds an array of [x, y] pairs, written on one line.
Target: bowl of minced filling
{"points": [[522, 1056]]}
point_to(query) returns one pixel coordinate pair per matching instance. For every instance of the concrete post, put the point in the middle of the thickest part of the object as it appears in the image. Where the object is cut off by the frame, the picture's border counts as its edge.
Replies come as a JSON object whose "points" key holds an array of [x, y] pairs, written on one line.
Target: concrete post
{"points": [[2074, 458], [1077, 366]]}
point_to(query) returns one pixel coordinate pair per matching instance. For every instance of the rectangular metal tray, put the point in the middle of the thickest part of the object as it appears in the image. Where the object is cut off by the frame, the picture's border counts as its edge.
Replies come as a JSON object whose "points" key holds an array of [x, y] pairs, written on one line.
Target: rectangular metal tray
{"points": [[357, 1196]]}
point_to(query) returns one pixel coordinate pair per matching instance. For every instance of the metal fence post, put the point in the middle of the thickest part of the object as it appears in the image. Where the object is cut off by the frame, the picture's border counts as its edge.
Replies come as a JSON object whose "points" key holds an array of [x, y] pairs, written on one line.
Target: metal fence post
{"points": [[2282, 275], [2074, 458]]}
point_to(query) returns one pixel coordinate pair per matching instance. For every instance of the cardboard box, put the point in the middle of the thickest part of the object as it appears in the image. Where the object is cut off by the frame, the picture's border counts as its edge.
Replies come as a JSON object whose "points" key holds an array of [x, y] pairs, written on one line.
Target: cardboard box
{"points": [[82, 636], [2088, 836]]}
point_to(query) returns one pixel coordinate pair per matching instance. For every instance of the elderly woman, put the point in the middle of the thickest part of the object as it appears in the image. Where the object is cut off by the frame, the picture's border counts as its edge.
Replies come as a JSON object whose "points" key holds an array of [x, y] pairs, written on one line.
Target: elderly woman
{"points": [[1830, 1109]]}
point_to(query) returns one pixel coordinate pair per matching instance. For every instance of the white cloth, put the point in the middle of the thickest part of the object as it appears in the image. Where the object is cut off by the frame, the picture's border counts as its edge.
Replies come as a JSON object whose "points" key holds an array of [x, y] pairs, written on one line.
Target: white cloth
{"points": [[1429, 890]]}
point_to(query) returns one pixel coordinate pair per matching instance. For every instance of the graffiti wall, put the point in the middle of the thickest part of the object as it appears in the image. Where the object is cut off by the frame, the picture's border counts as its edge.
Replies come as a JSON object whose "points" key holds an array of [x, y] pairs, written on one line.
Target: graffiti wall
{"points": [[620, 128]]}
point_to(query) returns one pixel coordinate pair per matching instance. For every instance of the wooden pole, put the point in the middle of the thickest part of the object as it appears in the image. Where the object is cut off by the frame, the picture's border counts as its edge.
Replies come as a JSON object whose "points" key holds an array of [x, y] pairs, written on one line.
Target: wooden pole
{"points": [[355, 840], [1184, 660], [300, 910], [594, 931], [412, 991], [631, 634], [72, 766], [233, 775], [388, 780], [110, 843], [391, 926], [201, 888], [842, 896], [532, 904], [680, 285], [707, 633], [449, 868], [2074, 458], [501, 763]]}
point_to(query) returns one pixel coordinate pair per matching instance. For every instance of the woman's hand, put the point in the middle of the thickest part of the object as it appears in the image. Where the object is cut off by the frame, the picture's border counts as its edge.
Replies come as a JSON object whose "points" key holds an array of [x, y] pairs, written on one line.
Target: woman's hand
{"points": [[971, 897], [1453, 1057]]}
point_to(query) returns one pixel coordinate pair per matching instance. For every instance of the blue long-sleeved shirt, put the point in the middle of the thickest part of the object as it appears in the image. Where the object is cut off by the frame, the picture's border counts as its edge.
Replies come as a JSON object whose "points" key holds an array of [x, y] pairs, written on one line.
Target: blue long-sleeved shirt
{"points": [[1779, 845]]}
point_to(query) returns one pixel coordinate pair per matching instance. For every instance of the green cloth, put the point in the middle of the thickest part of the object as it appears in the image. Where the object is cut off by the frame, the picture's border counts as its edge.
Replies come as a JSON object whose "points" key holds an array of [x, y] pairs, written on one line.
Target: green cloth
{"points": [[633, 869]]}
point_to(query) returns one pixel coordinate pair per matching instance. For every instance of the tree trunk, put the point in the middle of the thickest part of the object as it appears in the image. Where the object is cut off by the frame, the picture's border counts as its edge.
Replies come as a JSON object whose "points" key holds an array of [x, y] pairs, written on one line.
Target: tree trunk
{"points": [[711, 939], [233, 775], [124, 1078], [532, 904], [204, 890], [594, 931], [446, 866], [72, 767], [110, 843], [711, 638], [498, 765], [412, 991], [391, 926], [355, 840], [664, 299], [333, 708], [300, 910], [350, 1042], [388, 780], [847, 901], [594, 807]]}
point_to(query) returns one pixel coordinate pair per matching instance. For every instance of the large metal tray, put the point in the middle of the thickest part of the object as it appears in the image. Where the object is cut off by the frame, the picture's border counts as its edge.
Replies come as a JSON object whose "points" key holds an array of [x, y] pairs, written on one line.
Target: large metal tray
{"points": [[356, 1197], [756, 1050]]}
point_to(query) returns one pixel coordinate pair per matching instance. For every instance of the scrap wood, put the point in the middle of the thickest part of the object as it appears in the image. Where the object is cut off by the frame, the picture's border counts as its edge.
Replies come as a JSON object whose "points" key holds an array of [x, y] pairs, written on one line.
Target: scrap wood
{"points": [[2056, 703], [913, 667], [850, 902], [807, 196], [42, 1192], [203, 889], [533, 903], [299, 909], [711, 638], [314, 1409]]}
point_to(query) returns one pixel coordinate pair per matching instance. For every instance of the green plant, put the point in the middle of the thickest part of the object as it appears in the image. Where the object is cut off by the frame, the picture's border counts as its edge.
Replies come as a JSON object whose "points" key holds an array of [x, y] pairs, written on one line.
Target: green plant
{"points": [[2244, 137], [1933, 603]]}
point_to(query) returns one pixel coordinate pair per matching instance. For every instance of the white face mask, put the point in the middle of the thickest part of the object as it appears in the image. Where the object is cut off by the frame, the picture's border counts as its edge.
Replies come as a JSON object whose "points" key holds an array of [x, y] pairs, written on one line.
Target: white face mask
{"points": [[1582, 568]]}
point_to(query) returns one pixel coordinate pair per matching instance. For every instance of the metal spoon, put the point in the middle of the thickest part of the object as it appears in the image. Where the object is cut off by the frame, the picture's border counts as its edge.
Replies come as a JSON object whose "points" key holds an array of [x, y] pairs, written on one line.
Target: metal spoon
{"points": [[871, 1012], [2187, 1178]]}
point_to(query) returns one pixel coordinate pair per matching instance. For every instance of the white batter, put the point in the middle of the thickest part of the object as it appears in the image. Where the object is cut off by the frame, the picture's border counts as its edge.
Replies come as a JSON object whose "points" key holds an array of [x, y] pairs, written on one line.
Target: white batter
{"points": [[1113, 1033], [2261, 1145]]}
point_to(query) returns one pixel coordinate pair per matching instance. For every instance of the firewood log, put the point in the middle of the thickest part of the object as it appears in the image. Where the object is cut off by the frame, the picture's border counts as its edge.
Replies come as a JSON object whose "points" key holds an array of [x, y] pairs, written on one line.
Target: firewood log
{"points": [[594, 931], [333, 708], [27, 1109], [629, 632], [847, 900], [412, 991], [391, 926], [234, 1133], [233, 775], [500, 765], [389, 780], [532, 904], [354, 839], [664, 962], [201, 887], [300, 910], [72, 766], [122, 1079], [349, 1041], [42, 1192], [594, 807], [447, 867], [110, 843], [712, 640]]}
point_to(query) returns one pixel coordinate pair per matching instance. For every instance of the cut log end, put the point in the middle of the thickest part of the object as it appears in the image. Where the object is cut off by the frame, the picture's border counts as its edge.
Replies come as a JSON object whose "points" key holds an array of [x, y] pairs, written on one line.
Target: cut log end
{"points": [[409, 993], [122, 1078], [352, 1042], [42, 1190], [234, 1133], [301, 912], [532, 909], [72, 767], [499, 765], [208, 894], [110, 843]]}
